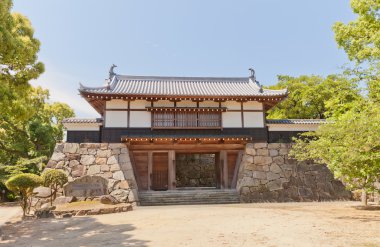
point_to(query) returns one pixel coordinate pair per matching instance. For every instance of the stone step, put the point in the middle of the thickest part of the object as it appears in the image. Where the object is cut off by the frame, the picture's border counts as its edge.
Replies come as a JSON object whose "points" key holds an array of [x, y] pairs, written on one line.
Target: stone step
{"points": [[188, 197]]}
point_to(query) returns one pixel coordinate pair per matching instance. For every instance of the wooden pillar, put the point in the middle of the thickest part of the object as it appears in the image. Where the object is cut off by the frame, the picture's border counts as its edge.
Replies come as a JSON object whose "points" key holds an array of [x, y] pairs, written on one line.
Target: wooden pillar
{"points": [[224, 169], [150, 169], [171, 170]]}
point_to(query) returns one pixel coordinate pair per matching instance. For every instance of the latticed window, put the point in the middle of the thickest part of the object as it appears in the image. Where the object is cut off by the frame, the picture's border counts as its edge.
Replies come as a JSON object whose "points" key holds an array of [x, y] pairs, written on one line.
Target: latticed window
{"points": [[182, 119]]}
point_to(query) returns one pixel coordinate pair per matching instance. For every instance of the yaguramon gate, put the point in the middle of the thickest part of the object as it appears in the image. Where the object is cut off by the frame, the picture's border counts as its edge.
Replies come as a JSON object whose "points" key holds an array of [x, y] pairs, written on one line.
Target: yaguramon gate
{"points": [[156, 169]]}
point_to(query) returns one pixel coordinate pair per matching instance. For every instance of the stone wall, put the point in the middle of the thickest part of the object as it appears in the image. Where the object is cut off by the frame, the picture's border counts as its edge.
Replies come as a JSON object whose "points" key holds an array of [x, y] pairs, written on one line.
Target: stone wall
{"points": [[266, 173], [109, 160], [195, 170]]}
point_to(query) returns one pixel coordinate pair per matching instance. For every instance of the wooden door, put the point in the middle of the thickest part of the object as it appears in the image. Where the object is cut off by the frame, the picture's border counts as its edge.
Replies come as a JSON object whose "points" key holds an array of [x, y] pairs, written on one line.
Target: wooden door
{"points": [[160, 171]]}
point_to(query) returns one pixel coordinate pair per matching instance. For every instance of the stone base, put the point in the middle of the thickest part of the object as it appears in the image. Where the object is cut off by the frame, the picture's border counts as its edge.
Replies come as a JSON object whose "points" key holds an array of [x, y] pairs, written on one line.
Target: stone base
{"points": [[108, 160], [267, 174]]}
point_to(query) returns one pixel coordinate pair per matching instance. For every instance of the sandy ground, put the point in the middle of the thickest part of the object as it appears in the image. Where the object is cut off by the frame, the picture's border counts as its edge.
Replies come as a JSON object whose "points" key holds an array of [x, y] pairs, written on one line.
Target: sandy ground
{"points": [[286, 224]]}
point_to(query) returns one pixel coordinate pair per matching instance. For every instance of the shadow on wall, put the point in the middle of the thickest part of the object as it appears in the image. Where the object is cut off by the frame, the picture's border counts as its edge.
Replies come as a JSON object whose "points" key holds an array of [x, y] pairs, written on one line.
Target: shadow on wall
{"points": [[83, 231]]}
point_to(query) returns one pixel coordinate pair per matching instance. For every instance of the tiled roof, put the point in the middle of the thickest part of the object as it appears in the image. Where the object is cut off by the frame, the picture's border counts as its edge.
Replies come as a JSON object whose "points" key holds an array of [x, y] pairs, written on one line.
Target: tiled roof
{"points": [[296, 121], [182, 86], [82, 120]]}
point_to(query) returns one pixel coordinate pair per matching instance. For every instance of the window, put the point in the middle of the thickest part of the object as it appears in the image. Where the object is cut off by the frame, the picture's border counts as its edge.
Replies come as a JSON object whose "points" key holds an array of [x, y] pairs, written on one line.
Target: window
{"points": [[183, 119]]}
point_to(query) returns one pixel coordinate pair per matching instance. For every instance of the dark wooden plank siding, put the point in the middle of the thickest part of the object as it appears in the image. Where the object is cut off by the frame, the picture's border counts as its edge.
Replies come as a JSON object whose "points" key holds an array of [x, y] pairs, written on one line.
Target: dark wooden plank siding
{"points": [[141, 165], [160, 171], [231, 163], [82, 136]]}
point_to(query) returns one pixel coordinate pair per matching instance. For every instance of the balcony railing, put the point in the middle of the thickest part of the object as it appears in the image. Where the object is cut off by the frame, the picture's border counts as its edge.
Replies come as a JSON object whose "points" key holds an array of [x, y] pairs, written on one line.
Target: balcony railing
{"points": [[186, 120]]}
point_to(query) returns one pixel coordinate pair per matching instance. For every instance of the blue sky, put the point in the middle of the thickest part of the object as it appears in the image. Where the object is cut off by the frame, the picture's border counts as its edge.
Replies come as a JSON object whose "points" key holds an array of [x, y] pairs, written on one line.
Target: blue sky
{"points": [[81, 39]]}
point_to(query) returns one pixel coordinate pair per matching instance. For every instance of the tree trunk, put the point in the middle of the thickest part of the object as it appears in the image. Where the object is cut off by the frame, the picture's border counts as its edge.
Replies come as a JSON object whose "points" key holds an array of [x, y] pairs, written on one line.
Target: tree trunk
{"points": [[364, 197]]}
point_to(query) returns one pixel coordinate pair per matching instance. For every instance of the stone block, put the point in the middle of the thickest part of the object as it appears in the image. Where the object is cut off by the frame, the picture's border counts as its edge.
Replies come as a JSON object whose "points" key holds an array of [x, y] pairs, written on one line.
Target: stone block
{"points": [[272, 176], [86, 186], [124, 151], [273, 152], [274, 145], [275, 168], [108, 199], [123, 185], [94, 169], [114, 167], [87, 160], [283, 151], [118, 175], [112, 160], [60, 164], [106, 175], [260, 145], [116, 145], [278, 160], [103, 153], [58, 156], [78, 171], [250, 151], [115, 151], [73, 163], [51, 164], [262, 160], [124, 158], [262, 152], [104, 168], [103, 146], [100, 161], [259, 175], [90, 145], [59, 147], [71, 148], [42, 192], [92, 151], [120, 195], [274, 185], [83, 151]]}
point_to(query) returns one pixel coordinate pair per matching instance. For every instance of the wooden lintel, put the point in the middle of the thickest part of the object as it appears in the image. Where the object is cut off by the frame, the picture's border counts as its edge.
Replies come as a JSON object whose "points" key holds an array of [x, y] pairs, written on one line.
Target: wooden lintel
{"points": [[193, 147]]}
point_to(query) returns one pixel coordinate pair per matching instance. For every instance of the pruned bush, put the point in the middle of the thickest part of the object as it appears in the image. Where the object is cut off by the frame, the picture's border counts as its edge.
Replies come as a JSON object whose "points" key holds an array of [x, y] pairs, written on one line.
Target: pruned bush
{"points": [[54, 179], [23, 185]]}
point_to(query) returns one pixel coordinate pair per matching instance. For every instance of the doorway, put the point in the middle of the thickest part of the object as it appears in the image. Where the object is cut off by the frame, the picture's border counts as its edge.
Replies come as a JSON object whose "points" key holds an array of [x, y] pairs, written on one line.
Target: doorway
{"points": [[196, 170]]}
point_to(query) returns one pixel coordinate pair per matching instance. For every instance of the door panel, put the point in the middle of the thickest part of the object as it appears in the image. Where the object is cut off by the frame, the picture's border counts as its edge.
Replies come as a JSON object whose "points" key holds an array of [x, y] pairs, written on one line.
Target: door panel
{"points": [[160, 171]]}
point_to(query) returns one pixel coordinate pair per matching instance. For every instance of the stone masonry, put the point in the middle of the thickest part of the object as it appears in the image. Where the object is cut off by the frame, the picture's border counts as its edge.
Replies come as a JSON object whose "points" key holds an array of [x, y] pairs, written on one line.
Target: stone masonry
{"points": [[267, 174], [109, 160]]}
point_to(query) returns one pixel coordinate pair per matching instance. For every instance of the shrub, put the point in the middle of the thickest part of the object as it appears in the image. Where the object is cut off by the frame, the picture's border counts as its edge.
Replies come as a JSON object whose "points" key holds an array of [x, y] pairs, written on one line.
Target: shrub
{"points": [[23, 184], [54, 179]]}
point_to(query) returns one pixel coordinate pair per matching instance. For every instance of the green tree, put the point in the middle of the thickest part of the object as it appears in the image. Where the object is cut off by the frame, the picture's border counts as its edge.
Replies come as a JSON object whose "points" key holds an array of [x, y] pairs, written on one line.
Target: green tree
{"points": [[315, 97], [29, 125], [54, 179], [23, 185], [350, 146], [361, 38]]}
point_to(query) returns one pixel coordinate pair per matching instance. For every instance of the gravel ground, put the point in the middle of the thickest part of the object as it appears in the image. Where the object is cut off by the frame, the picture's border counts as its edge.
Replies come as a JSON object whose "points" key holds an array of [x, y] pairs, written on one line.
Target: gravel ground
{"points": [[275, 224]]}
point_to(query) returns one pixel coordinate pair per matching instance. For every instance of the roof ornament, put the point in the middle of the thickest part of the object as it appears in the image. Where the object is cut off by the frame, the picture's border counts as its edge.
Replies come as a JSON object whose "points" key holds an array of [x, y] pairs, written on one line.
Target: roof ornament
{"points": [[253, 77], [111, 72]]}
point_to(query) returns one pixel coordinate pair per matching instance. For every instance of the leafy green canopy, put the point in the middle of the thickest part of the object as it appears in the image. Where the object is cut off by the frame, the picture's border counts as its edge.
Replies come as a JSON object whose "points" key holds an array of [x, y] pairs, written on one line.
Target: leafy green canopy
{"points": [[29, 124], [350, 146], [54, 178], [361, 38], [315, 97], [23, 184]]}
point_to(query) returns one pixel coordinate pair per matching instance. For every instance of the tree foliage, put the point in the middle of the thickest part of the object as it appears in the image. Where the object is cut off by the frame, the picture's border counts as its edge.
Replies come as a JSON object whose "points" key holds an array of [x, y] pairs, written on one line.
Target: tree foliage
{"points": [[361, 38], [29, 124], [315, 97], [23, 185], [350, 146], [54, 179]]}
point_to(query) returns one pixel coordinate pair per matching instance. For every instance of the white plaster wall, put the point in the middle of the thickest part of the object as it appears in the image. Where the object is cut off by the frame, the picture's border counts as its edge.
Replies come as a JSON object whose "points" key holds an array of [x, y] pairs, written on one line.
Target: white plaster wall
{"points": [[253, 120], [116, 104], [140, 119], [139, 104], [81, 126], [252, 105], [116, 119], [186, 103], [208, 103], [232, 105], [231, 119], [163, 103], [292, 127]]}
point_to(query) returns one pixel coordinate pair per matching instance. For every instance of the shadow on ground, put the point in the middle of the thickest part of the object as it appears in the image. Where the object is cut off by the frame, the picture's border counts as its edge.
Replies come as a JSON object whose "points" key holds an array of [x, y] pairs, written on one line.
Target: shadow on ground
{"points": [[81, 231]]}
